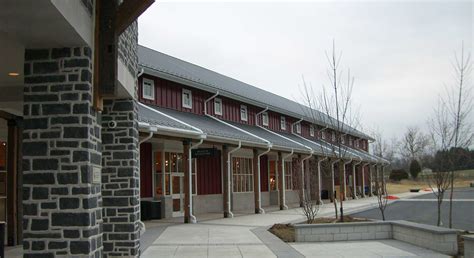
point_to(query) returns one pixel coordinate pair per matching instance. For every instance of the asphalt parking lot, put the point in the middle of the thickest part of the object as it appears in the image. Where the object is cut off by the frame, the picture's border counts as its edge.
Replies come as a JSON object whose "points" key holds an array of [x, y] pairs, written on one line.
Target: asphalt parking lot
{"points": [[423, 209]]}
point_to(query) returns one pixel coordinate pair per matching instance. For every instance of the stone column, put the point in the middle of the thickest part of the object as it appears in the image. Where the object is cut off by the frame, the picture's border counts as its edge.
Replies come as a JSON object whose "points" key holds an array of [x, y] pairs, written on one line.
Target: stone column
{"points": [[256, 181], [120, 178], [281, 187], [186, 185], [61, 155], [225, 178]]}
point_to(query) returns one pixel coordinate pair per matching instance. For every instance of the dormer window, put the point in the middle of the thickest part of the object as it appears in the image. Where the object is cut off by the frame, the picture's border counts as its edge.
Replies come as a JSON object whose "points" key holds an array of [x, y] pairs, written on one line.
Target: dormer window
{"points": [[283, 123], [187, 96], [333, 136], [311, 130], [148, 89], [323, 135], [298, 128], [351, 141], [343, 139], [265, 119], [218, 106], [243, 113], [357, 144]]}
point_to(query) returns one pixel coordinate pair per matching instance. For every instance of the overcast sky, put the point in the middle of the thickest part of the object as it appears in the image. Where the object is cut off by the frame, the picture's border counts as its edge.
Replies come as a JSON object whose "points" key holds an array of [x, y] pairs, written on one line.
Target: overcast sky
{"points": [[400, 52]]}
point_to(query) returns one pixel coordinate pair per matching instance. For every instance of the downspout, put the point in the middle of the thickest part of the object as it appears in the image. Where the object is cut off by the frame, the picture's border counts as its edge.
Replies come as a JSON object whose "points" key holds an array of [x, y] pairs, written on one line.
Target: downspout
{"points": [[332, 177], [209, 99], [152, 129], [354, 183], [293, 125], [190, 171], [260, 209], [140, 73], [303, 174], [283, 177], [259, 113], [344, 177], [363, 179], [319, 177], [229, 212]]}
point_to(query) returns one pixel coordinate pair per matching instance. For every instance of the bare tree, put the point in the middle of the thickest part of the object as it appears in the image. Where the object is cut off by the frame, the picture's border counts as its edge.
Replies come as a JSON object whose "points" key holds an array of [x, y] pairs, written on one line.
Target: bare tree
{"points": [[381, 192], [459, 104], [414, 143], [337, 112]]}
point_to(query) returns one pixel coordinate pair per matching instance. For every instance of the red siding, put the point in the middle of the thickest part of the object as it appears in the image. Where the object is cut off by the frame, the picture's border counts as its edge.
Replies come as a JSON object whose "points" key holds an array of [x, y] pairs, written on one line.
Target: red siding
{"points": [[146, 181], [168, 95], [209, 175], [264, 173]]}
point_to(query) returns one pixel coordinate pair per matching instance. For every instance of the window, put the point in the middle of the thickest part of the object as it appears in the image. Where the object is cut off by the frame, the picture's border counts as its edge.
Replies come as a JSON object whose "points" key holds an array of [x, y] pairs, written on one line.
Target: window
{"points": [[242, 175], [218, 106], [333, 136], [343, 139], [311, 130], [243, 112], [273, 175], [323, 135], [283, 123], [298, 128], [265, 119], [187, 99], [148, 89], [357, 143], [169, 168], [351, 141], [288, 175]]}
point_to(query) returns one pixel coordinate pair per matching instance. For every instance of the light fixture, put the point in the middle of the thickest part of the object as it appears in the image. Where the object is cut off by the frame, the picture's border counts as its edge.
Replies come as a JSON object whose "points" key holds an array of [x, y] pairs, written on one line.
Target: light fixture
{"points": [[13, 74]]}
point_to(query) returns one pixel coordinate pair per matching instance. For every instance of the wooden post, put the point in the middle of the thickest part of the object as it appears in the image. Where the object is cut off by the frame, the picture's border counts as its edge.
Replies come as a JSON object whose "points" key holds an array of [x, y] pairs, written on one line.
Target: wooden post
{"points": [[256, 181], [187, 192], [225, 178], [12, 183], [281, 187], [354, 182], [363, 180], [302, 179]]}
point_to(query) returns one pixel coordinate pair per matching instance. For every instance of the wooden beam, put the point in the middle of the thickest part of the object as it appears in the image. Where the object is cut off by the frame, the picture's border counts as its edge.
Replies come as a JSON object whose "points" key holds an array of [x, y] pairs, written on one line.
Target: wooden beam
{"points": [[129, 11], [7, 116]]}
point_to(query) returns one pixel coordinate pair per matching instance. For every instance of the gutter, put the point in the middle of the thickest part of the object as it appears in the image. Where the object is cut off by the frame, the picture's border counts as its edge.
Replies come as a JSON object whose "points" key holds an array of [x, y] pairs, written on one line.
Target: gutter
{"points": [[260, 209], [229, 212], [170, 130], [190, 171]]}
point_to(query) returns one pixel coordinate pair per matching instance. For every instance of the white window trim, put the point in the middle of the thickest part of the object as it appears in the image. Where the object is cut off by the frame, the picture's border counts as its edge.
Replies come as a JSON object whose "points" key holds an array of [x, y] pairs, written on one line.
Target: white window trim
{"points": [[333, 136], [323, 135], [298, 128], [243, 118], [283, 123], [218, 112], [311, 130], [265, 119], [152, 84], [190, 93]]}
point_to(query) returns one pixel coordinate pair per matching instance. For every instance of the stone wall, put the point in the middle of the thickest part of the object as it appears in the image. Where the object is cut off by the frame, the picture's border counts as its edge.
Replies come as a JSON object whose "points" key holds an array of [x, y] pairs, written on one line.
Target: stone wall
{"points": [[439, 239], [128, 47], [468, 246], [61, 151], [120, 178]]}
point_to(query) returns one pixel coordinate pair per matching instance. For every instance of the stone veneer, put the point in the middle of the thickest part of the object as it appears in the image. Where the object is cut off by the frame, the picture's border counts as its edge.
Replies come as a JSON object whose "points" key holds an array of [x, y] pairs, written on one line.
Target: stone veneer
{"points": [[120, 178], [61, 149]]}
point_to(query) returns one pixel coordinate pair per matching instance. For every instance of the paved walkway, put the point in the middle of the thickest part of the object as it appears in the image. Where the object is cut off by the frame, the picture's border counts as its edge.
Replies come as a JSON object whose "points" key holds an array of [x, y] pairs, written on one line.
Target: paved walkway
{"points": [[246, 236]]}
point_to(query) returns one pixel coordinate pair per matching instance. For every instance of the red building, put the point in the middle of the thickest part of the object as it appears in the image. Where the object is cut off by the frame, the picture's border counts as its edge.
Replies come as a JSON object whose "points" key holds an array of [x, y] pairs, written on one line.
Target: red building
{"points": [[234, 146]]}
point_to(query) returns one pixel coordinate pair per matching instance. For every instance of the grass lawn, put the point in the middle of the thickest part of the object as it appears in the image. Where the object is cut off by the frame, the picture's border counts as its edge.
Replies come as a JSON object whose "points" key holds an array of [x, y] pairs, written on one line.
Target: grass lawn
{"points": [[463, 179]]}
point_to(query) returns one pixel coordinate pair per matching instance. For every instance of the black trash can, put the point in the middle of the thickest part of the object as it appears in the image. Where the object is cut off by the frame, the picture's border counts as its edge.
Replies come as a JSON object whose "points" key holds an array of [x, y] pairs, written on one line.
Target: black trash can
{"points": [[325, 194]]}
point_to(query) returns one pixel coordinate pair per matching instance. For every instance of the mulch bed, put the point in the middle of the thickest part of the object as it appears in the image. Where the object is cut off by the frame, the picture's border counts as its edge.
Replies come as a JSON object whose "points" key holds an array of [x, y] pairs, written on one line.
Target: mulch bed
{"points": [[286, 232]]}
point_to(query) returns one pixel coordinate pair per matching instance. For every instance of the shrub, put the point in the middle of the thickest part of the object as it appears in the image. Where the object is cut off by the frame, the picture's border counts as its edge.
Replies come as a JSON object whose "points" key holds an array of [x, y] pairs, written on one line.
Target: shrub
{"points": [[415, 168], [398, 174]]}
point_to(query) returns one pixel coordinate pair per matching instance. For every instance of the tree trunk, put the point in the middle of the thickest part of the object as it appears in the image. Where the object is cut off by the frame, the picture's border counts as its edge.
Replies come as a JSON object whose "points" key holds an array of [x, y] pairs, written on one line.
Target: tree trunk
{"points": [[451, 200]]}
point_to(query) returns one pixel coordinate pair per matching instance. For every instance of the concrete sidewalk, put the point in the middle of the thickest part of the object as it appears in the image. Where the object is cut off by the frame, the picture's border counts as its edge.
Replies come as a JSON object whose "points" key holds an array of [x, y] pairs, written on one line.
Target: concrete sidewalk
{"points": [[246, 236]]}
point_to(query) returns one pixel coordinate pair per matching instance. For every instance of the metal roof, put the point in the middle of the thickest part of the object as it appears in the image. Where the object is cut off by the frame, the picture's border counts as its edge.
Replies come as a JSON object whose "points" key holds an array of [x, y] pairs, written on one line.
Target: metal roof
{"points": [[277, 141], [210, 126], [146, 114], [175, 69]]}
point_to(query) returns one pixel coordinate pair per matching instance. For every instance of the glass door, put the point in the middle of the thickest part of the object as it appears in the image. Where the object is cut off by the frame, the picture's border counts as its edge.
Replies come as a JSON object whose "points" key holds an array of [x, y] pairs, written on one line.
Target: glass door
{"points": [[177, 193]]}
